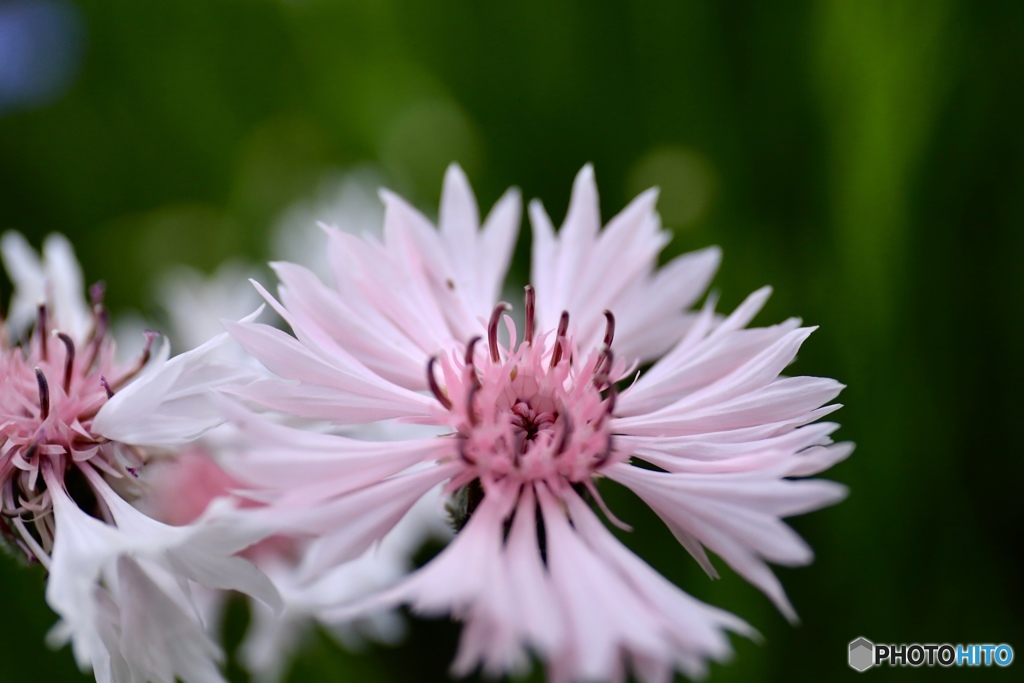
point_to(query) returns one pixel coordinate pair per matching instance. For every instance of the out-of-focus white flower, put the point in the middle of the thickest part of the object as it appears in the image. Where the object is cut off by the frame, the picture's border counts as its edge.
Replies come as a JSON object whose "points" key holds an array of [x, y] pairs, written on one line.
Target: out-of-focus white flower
{"points": [[411, 328], [197, 304], [346, 201], [55, 279], [75, 427]]}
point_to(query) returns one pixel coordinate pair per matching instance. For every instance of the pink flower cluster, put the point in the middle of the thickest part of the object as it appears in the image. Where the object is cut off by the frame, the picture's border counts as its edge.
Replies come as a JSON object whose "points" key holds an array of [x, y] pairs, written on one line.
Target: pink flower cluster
{"points": [[404, 375]]}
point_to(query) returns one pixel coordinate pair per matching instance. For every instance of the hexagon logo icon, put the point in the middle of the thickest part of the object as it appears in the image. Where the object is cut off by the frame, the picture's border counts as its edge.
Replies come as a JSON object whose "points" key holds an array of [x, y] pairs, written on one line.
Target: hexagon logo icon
{"points": [[862, 654]]}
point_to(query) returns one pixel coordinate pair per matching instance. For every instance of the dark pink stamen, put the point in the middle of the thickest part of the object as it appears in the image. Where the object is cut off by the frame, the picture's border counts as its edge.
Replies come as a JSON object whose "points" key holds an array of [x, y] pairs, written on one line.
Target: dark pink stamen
{"points": [[41, 330], [470, 365], [609, 328], [492, 330], [44, 394], [474, 420], [560, 339], [69, 360], [101, 320], [563, 441], [97, 292], [531, 307], [603, 368], [141, 361], [469, 352], [434, 388]]}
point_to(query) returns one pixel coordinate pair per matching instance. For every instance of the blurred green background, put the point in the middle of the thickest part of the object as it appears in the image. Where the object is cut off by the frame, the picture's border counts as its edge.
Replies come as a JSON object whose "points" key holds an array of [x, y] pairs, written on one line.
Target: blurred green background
{"points": [[865, 157]]}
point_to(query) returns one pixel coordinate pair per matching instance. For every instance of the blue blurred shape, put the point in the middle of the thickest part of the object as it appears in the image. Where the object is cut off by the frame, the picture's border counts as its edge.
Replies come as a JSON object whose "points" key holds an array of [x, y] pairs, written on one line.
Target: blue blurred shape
{"points": [[40, 49]]}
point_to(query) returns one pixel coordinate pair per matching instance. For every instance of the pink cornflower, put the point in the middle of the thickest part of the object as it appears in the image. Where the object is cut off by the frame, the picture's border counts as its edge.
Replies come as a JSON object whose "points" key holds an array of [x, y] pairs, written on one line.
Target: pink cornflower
{"points": [[76, 427], [537, 413]]}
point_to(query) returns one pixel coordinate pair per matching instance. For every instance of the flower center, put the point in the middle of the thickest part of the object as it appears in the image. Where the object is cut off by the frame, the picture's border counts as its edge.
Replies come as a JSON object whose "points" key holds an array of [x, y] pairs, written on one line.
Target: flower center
{"points": [[53, 390], [532, 411]]}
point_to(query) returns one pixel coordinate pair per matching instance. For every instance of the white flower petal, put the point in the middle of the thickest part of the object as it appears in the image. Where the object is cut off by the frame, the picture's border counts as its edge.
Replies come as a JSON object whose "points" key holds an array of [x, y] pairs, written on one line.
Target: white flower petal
{"points": [[170, 402], [122, 594], [165, 642]]}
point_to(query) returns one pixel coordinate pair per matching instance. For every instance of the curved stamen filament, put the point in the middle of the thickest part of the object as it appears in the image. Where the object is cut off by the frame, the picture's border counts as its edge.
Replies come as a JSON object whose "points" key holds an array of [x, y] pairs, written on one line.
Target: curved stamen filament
{"points": [[96, 297], [470, 365], [609, 328], [563, 441], [474, 419], [492, 330], [69, 360], [560, 339], [434, 388], [44, 394], [604, 382], [41, 330], [531, 307], [140, 362], [469, 352], [604, 360], [603, 367], [609, 408], [101, 320]]}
